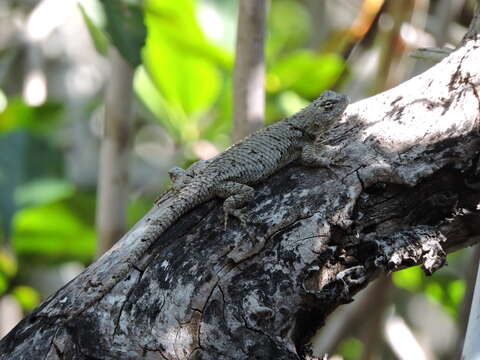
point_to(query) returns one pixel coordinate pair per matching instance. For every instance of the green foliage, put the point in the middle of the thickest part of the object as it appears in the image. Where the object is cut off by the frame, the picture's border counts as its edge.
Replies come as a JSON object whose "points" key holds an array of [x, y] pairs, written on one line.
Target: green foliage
{"points": [[351, 348], [126, 28], [410, 279], [8, 269], [288, 27], [8, 265], [100, 41], [57, 231], [27, 297], [3, 284], [304, 72], [442, 288], [182, 75], [18, 115], [23, 156]]}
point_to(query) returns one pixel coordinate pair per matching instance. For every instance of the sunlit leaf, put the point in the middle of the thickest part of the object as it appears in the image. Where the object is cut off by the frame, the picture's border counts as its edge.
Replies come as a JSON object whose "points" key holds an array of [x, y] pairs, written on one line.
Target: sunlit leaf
{"points": [[434, 292], [126, 28], [100, 41], [172, 117], [305, 73], [290, 102], [184, 68], [52, 230], [446, 292], [456, 291], [165, 18], [351, 348], [27, 297], [8, 265], [191, 83], [409, 279]]}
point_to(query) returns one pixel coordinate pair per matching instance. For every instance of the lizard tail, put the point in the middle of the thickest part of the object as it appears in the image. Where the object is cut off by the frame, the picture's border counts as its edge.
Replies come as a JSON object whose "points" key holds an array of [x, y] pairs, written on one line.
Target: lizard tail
{"points": [[171, 208]]}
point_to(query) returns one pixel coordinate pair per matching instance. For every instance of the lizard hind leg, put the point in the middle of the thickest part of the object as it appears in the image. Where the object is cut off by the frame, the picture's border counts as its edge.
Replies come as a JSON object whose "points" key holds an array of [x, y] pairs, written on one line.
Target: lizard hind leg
{"points": [[236, 196]]}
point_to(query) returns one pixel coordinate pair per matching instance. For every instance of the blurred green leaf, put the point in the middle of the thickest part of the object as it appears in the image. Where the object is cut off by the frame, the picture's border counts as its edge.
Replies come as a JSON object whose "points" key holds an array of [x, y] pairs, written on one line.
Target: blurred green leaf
{"points": [[434, 291], [191, 82], [42, 191], [289, 27], [182, 75], [410, 279], [126, 28], [27, 297], [8, 265], [291, 103], [446, 292], [40, 119], [100, 41], [456, 291], [350, 348], [217, 128], [164, 19], [24, 155], [54, 231], [305, 73], [3, 284], [171, 117]]}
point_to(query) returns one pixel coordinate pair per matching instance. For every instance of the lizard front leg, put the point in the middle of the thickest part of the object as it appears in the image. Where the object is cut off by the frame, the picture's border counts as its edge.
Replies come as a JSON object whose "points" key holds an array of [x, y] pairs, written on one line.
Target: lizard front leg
{"points": [[236, 196]]}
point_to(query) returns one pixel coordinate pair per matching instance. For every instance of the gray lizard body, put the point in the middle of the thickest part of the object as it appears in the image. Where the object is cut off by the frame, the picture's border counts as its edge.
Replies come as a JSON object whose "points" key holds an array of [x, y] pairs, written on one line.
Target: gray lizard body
{"points": [[229, 174]]}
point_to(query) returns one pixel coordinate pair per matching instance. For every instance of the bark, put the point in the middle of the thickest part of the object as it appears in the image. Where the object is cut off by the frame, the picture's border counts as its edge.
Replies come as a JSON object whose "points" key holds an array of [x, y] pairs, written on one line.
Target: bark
{"points": [[114, 152], [403, 191], [249, 72]]}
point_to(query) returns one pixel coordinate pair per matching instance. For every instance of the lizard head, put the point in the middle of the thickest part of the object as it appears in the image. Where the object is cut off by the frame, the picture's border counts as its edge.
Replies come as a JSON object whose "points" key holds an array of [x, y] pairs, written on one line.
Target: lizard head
{"points": [[322, 112]]}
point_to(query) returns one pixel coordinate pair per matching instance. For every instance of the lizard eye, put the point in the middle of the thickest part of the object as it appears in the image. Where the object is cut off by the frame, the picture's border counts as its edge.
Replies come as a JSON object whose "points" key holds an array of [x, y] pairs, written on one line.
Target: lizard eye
{"points": [[328, 105]]}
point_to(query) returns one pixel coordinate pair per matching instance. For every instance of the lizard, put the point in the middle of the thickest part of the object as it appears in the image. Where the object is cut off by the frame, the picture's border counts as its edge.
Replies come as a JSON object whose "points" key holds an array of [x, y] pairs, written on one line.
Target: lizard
{"points": [[228, 175]]}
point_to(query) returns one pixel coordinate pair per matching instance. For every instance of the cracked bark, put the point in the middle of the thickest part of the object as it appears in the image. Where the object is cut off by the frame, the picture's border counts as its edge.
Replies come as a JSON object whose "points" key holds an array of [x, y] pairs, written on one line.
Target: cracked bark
{"points": [[404, 191]]}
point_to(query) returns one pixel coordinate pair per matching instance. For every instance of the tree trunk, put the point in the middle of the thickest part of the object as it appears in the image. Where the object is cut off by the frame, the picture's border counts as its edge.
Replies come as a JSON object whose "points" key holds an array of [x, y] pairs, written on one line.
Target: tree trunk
{"points": [[112, 190], [249, 72], [402, 192]]}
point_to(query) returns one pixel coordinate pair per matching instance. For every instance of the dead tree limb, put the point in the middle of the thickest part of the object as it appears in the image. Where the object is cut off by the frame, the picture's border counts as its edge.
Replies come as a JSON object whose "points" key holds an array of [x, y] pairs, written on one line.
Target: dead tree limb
{"points": [[404, 191]]}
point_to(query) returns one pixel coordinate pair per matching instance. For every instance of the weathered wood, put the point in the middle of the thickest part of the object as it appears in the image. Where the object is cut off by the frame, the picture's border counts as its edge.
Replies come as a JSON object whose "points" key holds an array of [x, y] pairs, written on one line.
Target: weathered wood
{"points": [[404, 191]]}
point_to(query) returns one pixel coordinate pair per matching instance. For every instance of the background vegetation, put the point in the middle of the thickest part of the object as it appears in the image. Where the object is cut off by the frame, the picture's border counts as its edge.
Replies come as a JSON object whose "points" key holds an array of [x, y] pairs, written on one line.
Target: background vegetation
{"points": [[53, 75]]}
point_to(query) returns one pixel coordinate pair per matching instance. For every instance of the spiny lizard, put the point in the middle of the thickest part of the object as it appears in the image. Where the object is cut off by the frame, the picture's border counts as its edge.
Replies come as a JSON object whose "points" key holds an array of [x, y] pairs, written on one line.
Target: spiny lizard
{"points": [[228, 175]]}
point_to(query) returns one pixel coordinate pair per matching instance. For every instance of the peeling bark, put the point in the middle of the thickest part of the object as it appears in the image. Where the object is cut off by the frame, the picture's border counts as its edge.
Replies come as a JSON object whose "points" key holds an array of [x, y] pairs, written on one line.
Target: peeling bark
{"points": [[404, 191]]}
